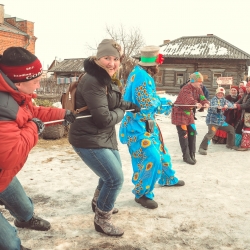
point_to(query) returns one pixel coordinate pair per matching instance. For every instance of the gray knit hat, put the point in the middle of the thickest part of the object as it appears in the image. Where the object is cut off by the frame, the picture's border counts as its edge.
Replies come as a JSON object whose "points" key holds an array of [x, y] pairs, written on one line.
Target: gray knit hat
{"points": [[108, 47]]}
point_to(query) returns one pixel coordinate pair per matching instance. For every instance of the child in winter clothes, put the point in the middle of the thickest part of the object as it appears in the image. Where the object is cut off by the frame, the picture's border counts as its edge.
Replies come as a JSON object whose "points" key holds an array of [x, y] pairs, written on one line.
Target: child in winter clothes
{"points": [[216, 120]]}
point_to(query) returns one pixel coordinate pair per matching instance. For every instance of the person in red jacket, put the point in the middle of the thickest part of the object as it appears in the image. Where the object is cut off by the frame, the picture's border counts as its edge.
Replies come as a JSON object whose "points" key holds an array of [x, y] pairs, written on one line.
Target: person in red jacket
{"points": [[190, 96], [20, 125]]}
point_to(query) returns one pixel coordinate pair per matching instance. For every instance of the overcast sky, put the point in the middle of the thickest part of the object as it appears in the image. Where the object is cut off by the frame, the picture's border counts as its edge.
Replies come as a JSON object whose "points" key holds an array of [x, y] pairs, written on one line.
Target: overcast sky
{"points": [[64, 27]]}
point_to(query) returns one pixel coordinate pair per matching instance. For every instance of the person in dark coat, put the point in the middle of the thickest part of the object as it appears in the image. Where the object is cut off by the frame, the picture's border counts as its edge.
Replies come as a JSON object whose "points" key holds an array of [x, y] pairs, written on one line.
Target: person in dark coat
{"points": [[94, 138], [243, 105]]}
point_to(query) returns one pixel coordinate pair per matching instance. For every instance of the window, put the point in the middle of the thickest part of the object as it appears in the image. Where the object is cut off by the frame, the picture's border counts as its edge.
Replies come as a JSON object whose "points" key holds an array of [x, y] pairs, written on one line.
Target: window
{"points": [[158, 78], [179, 78], [215, 76]]}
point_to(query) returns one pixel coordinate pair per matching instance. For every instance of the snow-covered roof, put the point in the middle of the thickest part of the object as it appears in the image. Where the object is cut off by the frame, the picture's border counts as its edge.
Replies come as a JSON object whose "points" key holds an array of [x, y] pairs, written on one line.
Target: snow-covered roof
{"points": [[69, 65], [201, 47]]}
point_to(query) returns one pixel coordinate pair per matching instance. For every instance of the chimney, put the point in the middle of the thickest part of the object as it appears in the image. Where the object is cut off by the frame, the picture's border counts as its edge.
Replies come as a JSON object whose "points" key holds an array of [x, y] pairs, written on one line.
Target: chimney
{"points": [[1, 13], [166, 41], [210, 34]]}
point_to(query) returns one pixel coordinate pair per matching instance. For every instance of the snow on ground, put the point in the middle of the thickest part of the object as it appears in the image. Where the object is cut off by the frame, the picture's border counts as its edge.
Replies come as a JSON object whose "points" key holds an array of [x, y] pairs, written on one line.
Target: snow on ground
{"points": [[210, 212]]}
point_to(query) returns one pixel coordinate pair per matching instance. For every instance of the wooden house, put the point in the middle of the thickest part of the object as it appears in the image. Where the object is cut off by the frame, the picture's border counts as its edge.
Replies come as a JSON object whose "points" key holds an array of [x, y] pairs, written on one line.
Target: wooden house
{"points": [[68, 68], [210, 55]]}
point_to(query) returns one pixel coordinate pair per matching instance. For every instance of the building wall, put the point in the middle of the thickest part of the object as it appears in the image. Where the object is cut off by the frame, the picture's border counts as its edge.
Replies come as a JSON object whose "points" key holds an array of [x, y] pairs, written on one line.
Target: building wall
{"points": [[173, 73], [9, 39], [25, 26]]}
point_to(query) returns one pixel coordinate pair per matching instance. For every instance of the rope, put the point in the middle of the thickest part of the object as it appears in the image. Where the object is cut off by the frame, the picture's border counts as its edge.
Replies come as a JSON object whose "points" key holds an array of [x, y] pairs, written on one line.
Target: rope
{"points": [[129, 110]]}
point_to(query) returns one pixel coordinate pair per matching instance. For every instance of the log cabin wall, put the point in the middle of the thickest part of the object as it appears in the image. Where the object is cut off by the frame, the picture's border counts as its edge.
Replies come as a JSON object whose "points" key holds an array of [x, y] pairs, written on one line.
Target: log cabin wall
{"points": [[174, 72]]}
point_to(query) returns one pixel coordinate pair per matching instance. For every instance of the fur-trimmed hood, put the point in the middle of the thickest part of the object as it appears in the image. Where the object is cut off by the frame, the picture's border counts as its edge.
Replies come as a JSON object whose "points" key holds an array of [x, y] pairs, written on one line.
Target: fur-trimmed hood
{"points": [[96, 71]]}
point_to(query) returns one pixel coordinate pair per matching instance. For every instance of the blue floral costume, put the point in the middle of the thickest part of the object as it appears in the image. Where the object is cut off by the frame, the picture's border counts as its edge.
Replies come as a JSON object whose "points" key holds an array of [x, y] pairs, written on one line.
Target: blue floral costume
{"points": [[150, 158]]}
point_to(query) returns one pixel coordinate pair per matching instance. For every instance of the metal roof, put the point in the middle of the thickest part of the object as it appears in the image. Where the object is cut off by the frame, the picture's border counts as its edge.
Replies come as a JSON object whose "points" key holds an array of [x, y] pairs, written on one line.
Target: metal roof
{"points": [[69, 65], [12, 29], [202, 47]]}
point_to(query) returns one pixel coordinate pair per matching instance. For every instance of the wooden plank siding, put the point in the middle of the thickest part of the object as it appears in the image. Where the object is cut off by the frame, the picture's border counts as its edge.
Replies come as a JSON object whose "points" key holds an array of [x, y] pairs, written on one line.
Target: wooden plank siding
{"points": [[167, 77], [209, 54]]}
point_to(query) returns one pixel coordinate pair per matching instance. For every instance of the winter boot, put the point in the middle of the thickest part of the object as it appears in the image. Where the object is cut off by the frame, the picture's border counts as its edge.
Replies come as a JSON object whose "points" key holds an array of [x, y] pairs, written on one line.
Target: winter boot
{"points": [[187, 158], [146, 202], [103, 223], [183, 139], [236, 148], [24, 248], [192, 156], [202, 151], [94, 200], [179, 183], [35, 223]]}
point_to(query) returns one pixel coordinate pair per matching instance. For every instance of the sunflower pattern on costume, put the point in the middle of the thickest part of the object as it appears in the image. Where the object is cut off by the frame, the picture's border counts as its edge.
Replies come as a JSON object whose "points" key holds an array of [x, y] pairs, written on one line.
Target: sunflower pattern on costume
{"points": [[150, 163]]}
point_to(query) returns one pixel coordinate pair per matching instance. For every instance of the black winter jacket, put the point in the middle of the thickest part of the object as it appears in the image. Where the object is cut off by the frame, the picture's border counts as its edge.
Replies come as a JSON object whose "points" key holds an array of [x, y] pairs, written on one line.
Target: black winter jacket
{"points": [[97, 91], [244, 102]]}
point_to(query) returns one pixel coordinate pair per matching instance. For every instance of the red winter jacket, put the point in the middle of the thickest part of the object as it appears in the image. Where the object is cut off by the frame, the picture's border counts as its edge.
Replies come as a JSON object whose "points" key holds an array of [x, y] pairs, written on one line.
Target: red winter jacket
{"points": [[18, 134], [190, 96]]}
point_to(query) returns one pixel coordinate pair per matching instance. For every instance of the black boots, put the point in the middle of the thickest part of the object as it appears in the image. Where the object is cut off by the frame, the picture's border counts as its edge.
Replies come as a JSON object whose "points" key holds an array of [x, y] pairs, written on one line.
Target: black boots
{"points": [[35, 223], [192, 155], [146, 202], [24, 248], [190, 159]]}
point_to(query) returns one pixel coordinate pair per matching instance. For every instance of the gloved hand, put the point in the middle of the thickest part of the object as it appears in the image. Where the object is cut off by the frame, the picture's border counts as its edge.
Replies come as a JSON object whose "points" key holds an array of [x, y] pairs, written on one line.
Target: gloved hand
{"points": [[170, 104], [40, 125], [135, 107], [129, 105], [69, 116]]}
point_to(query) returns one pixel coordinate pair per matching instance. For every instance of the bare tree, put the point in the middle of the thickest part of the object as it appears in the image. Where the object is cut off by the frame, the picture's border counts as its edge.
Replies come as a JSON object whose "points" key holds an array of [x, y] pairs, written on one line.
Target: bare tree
{"points": [[131, 41]]}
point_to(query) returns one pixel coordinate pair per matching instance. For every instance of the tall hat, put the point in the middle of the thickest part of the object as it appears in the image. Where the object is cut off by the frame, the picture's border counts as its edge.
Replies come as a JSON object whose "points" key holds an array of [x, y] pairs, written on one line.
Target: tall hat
{"points": [[150, 56]]}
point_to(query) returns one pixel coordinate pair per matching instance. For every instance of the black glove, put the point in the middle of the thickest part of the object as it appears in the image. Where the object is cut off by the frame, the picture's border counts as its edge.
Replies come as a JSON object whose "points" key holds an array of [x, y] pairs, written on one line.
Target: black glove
{"points": [[69, 116], [170, 104], [129, 105], [135, 107], [39, 124], [218, 111]]}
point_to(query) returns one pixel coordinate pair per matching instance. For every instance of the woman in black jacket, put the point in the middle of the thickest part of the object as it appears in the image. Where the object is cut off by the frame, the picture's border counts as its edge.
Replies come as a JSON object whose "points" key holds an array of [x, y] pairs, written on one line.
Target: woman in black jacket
{"points": [[94, 138]]}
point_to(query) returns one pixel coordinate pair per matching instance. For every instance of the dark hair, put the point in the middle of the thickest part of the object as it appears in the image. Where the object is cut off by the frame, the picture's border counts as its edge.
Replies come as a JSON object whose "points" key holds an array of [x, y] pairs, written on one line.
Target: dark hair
{"points": [[151, 70]]}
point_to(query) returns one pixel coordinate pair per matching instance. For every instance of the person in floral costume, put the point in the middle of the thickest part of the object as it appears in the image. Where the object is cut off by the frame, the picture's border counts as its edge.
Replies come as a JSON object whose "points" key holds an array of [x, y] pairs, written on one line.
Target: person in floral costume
{"points": [[150, 158]]}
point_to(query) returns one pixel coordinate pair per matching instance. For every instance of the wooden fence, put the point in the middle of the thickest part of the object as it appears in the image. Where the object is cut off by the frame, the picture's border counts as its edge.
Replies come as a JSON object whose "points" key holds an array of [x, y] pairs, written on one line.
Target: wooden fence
{"points": [[50, 90]]}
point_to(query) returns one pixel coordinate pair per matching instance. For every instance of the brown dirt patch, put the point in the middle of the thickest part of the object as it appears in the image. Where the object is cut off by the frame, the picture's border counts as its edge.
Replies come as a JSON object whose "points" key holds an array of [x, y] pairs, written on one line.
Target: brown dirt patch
{"points": [[42, 143]]}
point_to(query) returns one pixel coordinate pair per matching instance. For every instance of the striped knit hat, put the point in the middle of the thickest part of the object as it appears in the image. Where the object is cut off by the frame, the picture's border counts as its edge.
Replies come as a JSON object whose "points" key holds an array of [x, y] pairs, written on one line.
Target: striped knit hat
{"points": [[20, 65]]}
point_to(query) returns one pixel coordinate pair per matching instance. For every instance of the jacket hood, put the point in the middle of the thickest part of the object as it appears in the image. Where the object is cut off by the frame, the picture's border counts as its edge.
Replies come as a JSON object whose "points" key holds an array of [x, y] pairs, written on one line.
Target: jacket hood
{"points": [[96, 71], [6, 85]]}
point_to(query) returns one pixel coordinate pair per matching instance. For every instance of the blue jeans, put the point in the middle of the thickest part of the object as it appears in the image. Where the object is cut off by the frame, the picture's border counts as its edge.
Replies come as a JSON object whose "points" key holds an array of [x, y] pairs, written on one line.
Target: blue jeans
{"points": [[106, 163], [21, 207]]}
